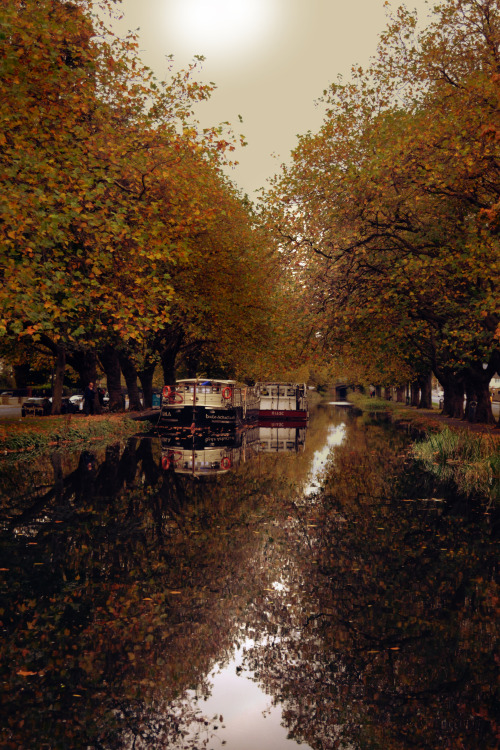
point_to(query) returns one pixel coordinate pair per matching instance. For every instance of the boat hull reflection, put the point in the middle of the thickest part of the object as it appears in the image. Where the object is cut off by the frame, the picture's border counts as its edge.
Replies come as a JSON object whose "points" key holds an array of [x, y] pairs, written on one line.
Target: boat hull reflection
{"points": [[278, 437], [206, 451]]}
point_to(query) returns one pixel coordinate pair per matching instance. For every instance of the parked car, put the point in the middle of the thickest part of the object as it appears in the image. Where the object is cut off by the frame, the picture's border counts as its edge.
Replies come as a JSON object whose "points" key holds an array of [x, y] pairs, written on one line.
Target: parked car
{"points": [[36, 407], [77, 400], [67, 405]]}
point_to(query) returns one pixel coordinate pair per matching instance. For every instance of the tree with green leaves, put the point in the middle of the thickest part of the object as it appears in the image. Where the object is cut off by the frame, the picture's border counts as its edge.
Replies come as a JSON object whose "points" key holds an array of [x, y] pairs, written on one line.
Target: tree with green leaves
{"points": [[388, 207], [119, 234]]}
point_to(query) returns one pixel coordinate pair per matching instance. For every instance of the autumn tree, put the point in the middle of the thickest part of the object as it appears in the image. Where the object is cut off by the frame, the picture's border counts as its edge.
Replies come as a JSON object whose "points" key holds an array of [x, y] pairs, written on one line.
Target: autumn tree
{"points": [[106, 174], [389, 205]]}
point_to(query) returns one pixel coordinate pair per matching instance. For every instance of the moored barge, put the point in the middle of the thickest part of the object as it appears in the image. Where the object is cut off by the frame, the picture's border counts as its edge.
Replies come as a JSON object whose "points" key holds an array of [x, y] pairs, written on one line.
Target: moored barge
{"points": [[283, 401], [208, 402]]}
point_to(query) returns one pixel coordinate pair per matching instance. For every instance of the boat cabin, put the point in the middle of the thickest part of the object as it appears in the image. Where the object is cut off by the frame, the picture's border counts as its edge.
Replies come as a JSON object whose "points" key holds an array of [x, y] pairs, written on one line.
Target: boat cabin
{"points": [[205, 400], [283, 401]]}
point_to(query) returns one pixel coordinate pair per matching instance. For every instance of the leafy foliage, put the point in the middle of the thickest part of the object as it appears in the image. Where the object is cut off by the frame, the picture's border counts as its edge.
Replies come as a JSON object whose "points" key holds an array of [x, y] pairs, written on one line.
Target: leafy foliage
{"points": [[120, 228], [389, 209]]}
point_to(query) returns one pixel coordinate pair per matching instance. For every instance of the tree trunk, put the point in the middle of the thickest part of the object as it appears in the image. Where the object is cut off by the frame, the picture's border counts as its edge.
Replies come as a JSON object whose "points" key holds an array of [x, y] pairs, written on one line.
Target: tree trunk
{"points": [[21, 374], [130, 375], [425, 383], [415, 394], [111, 366], [57, 389], [168, 358], [168, 349], [388, 394], [478, 407], [453, 397], [400, 395], [146, 378], [484, 412], [84, 361]]}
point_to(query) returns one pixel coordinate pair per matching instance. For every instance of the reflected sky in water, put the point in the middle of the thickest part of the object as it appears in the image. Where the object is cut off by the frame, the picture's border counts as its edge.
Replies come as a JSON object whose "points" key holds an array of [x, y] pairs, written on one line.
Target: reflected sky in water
{"points": [[250, 719], [335, 436]]}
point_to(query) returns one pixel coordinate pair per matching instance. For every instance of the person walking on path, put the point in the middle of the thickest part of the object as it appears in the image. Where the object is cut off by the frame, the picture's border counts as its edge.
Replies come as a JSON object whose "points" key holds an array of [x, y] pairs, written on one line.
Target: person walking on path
{"points": [[89, 399]]}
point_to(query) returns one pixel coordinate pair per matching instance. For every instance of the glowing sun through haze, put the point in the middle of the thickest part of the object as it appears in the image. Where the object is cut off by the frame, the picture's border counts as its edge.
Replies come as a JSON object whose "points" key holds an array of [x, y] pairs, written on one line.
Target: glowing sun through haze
{"points": [[227, 30]]}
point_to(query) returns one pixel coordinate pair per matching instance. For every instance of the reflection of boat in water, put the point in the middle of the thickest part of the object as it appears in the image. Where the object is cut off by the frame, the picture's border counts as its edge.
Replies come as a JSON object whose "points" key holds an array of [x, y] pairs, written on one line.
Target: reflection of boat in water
{"points": [[279, 437], [283, 401], [206, 452], [204, 401]]}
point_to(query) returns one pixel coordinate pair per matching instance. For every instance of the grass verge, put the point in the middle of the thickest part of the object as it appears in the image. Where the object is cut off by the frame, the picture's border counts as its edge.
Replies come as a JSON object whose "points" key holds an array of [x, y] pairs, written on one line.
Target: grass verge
{"points": [[471, 460], [37, 433]]}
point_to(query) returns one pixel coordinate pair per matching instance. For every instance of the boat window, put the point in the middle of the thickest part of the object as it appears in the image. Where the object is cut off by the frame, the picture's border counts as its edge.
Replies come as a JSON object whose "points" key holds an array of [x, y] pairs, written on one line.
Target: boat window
{"points": [[291, 392]]}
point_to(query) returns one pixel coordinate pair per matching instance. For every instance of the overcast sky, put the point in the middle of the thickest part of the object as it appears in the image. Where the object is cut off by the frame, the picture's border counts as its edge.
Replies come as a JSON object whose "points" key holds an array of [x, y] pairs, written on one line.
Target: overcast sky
{"points": [[270, 59]]}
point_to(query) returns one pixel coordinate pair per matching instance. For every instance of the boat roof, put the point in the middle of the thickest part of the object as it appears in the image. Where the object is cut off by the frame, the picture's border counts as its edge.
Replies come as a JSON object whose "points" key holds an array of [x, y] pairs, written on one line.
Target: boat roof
{"points": [[275, 382], [207, 381]]}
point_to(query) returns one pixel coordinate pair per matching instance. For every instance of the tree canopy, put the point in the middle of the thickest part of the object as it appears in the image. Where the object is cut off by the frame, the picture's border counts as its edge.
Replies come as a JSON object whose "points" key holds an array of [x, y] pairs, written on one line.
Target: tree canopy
{"points": [[119, 227], [391, 208]]}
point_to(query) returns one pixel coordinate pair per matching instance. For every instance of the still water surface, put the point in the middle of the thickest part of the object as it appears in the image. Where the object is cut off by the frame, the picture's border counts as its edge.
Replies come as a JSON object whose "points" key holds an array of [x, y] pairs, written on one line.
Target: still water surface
{"points": [[322, 590]]}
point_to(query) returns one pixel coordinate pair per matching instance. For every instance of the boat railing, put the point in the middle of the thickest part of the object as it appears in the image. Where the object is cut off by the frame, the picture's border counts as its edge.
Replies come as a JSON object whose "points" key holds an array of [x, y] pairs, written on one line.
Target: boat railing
{"points": [[212, 395], [201, 395]]}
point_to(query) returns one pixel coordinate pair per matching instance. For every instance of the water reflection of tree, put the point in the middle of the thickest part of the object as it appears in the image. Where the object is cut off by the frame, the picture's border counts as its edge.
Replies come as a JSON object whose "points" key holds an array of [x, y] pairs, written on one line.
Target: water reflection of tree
{"points": [[373, 612], [388, 633], [123, 586]]}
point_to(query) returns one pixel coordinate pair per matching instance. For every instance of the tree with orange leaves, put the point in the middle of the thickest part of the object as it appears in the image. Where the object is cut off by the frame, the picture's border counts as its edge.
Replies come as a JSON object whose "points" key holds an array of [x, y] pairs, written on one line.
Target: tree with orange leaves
{"points": [[109, 186], [390, 207]]}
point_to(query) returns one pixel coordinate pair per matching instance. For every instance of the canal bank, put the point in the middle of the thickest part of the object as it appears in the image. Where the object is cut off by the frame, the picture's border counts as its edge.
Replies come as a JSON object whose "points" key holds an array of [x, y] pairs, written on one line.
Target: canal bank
{"points": [[39, 433], [430, 420]]}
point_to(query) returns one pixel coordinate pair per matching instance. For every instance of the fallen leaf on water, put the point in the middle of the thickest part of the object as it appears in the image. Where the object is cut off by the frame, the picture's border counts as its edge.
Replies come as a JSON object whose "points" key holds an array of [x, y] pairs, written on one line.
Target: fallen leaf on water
{"points": [[26, 673]]}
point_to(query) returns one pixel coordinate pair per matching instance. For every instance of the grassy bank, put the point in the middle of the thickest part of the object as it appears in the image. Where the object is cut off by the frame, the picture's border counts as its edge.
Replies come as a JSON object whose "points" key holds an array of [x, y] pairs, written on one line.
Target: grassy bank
{"points": [[471, 461], [37, 433], [453, 453]]}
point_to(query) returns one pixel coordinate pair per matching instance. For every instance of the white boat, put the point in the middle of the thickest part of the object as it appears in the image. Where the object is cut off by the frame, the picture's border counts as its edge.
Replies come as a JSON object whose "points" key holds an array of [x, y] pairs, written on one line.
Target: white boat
{"points": [[207, 401], [283, 401]]}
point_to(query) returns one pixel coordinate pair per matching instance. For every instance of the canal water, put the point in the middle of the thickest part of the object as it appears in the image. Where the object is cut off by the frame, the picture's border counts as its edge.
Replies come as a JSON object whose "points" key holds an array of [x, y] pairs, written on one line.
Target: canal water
{"points": [[287, 587]]}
